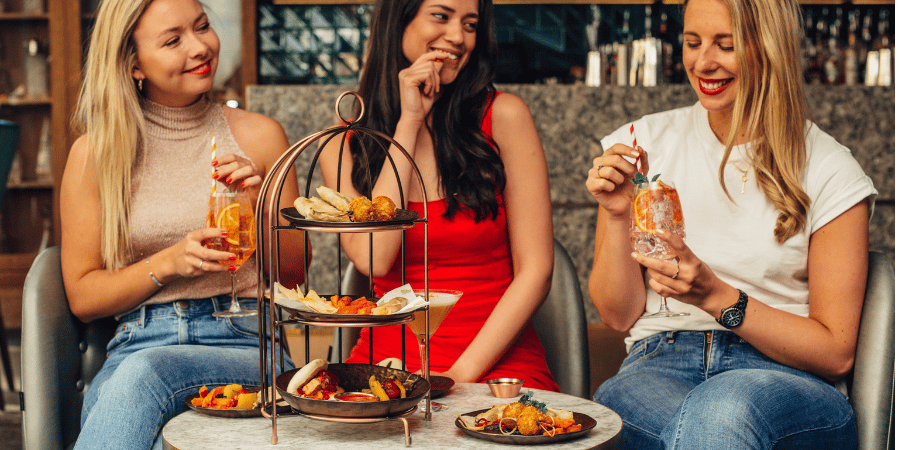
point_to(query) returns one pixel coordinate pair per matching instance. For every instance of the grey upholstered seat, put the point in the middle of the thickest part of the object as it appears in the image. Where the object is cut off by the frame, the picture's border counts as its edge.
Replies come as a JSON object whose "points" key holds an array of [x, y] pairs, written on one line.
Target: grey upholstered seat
{"points": [[871, 385], [60, 356], [560, 323]]}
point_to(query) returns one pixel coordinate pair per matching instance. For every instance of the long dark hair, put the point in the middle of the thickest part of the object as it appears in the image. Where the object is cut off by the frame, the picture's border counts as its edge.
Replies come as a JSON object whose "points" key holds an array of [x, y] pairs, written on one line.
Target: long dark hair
{"points": [[469, 166]]}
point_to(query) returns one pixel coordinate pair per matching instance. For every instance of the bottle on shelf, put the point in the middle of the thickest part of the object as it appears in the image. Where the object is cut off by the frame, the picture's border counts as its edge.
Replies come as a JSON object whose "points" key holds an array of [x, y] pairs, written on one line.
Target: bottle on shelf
{"points": [[833, 66], [852, 51], [885, 47]]}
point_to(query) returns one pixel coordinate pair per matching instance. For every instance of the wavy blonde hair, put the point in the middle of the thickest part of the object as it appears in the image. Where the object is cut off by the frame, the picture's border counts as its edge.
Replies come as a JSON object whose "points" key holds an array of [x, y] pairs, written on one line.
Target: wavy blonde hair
{"points": [[771, 106], [108, 112]]}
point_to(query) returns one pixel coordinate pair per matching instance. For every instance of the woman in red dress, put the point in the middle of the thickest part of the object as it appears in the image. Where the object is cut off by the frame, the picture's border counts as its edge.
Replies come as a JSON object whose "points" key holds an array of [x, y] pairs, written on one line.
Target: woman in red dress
{"points": [[428, 82]]}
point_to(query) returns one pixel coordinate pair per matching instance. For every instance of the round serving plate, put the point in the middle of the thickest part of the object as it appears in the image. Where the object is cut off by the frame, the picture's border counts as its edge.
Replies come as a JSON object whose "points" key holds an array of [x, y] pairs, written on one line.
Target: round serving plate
{"points": [[440, 385], [357, 319], [234, 413], [587, 424], [404, 219], [353, 378]]}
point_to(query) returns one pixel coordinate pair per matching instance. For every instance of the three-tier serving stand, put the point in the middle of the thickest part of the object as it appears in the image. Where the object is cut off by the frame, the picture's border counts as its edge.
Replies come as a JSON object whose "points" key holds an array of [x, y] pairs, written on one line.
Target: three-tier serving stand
{"points": [[268, 261]]}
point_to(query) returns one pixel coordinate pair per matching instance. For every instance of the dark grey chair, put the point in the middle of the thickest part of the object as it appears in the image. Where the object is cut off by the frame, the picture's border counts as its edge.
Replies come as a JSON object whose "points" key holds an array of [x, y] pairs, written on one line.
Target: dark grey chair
{"points": [[560, 323], [60, 356], [871, 385]]}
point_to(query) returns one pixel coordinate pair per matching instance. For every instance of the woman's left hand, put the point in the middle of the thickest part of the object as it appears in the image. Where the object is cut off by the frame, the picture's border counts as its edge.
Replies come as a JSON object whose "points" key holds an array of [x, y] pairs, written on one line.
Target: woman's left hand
{"points": [[234, 169], [689, 281]]}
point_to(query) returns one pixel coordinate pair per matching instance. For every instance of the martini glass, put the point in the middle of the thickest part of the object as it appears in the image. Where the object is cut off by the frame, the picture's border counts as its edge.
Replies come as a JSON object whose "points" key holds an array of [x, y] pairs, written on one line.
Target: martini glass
{"points": [[440, 302], [233, 211], [656, 206]]}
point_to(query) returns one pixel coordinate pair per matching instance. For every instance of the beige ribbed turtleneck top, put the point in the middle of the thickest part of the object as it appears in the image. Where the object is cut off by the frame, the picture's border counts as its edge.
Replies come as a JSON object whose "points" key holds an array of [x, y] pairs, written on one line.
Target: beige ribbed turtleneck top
{"points": [[170, 192]]}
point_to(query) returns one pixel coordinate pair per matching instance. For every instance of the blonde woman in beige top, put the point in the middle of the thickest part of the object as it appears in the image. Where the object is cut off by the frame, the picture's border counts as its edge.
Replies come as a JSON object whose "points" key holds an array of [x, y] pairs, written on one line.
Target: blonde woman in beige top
{"points": [[133, 209]]}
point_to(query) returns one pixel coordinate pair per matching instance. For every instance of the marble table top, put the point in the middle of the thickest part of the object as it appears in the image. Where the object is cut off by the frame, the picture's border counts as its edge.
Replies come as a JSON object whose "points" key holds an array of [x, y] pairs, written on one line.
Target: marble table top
{"points": [[195, 431]]}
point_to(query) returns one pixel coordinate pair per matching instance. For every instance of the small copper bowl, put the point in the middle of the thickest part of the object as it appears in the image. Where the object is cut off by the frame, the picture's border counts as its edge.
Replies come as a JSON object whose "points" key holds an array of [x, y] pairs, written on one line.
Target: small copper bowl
{"points": [[505, 387]]}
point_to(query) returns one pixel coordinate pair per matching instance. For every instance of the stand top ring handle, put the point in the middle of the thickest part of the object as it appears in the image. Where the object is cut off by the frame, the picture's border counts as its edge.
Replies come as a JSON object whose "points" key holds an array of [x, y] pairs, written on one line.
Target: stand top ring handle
{"points": [[337, 109]]}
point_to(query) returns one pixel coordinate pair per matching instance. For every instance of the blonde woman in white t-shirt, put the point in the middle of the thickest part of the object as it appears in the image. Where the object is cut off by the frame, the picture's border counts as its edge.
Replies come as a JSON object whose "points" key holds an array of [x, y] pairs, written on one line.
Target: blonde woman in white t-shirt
{"points": [[776, 219]]}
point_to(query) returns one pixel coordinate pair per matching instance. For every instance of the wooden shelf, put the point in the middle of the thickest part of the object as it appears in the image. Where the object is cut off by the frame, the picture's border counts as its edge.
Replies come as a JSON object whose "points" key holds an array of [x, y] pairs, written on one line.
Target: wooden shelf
{"points": [[17, 16], [37, 101], [30, 185], [13, 269]]}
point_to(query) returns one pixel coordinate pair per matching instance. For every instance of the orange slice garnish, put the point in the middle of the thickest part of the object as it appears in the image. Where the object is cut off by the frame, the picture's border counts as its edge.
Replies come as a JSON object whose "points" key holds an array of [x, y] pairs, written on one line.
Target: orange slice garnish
{"points": [[643, 219], [229, 219]]}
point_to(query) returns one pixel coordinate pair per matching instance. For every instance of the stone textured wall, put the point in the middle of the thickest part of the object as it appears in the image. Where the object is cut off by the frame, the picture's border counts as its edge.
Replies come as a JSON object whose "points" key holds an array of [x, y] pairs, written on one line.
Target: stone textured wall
{"points": [[571, 120]]}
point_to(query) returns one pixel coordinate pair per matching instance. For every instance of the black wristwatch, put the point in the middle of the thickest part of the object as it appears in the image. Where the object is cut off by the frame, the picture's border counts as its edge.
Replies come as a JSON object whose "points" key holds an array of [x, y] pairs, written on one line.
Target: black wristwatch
{"points": [[733, 315]]}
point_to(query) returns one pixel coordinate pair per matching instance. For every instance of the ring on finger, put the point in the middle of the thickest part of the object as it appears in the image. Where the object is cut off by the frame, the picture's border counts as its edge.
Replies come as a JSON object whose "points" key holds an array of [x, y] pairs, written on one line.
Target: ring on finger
{"points": [[599, 166], [677, 271], [201, 264]]}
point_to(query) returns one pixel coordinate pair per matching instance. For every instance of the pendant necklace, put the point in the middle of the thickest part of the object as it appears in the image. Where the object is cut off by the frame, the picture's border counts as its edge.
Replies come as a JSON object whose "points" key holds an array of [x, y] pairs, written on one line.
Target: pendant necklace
{"points": [[744, 179]]}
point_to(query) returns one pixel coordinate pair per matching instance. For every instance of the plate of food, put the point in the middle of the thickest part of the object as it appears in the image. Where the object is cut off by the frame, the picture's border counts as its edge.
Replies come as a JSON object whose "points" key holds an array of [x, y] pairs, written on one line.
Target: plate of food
{"points": [[231, 401], [346, 390], [394, 306], [525, 422], [333, 209]]}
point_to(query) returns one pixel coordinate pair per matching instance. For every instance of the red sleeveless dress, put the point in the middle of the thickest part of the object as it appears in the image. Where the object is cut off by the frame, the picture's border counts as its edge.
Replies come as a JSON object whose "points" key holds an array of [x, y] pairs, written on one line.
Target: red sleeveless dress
{"points": [[471, 257]]}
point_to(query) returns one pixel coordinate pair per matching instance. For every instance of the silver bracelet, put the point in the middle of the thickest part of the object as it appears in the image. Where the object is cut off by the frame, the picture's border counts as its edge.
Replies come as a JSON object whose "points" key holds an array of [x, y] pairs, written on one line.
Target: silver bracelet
{"points": [[153, 277]]}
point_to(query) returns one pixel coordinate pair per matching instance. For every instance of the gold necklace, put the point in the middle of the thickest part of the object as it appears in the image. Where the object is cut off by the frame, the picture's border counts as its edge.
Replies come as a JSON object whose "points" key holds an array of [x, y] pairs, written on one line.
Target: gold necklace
{"points": [[744, 178]]}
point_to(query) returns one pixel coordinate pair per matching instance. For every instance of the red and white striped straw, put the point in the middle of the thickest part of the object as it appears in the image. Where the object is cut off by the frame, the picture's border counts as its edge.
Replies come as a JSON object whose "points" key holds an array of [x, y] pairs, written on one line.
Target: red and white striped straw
{"points": [[212, 168], [634, 144]]}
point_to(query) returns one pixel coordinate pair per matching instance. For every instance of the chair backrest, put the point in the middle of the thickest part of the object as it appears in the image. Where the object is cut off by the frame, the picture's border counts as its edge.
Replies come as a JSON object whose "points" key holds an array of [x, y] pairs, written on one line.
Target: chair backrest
{"points": [[60, 356], [560, 323], [9, 140], [562, 327], [871, 386]]}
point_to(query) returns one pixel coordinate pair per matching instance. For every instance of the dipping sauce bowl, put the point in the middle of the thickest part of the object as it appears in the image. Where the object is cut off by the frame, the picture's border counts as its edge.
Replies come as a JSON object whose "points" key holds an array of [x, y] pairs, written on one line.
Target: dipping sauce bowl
{"points": [[505, 387]]}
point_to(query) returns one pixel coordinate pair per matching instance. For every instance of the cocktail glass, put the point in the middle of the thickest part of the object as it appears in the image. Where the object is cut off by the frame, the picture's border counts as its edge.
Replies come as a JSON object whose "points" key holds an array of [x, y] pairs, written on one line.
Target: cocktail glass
{"points": [[440, 302], [656, 206], [233, 211]]}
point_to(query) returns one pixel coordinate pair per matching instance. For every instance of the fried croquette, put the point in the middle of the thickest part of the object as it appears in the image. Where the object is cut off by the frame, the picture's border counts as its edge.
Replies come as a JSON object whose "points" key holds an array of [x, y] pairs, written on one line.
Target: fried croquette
{"points": [[384, 208], [361, 210], [529, 421], [513, 410]]}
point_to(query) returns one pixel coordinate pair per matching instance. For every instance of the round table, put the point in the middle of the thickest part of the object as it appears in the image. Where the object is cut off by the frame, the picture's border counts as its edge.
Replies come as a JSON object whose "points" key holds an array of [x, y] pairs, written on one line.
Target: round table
{"points": [[195, 431]]}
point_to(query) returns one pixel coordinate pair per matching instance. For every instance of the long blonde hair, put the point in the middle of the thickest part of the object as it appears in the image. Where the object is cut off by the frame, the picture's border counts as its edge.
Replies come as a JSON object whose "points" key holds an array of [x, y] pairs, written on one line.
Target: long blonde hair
{"points": [[109, 113], [771, 106]]}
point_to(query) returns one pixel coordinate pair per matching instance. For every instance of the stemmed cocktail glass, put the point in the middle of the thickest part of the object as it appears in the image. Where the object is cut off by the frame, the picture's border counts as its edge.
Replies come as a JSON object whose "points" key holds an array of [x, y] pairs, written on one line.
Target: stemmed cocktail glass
{"points": [[232, 211], [656, 206], [440, 302]]}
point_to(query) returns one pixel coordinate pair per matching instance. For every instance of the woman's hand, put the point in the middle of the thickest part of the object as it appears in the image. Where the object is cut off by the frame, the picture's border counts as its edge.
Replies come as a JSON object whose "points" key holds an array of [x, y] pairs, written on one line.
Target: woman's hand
{"points": [[419, 85], [236, 170], [190, 257], [689, 281], [609, 178]]}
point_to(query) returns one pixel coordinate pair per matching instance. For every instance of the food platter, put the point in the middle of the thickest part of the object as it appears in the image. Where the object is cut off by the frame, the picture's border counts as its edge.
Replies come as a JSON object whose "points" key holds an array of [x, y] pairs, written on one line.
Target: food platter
{"points": [[404, 217], [440, 385], [315, 316], [233, 413], [354, 378], [587, 424]]}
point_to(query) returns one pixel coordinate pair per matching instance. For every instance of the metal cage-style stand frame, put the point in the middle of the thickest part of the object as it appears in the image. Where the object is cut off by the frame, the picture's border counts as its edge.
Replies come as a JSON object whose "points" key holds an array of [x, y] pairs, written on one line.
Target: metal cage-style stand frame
{"points": [[268, 260]]}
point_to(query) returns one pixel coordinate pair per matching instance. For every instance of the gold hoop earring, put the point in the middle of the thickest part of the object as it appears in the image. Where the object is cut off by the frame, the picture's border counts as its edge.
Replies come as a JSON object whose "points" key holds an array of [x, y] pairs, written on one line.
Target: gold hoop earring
{"points": [[140, 85]]}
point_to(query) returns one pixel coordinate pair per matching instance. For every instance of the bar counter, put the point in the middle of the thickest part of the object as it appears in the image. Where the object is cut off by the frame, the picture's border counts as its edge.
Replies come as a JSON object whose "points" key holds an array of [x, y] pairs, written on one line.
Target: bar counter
{"points": [[572, 119]]}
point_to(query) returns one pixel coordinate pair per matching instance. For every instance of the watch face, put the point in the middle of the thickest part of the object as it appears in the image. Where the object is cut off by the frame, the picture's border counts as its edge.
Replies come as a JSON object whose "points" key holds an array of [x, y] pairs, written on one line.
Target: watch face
{"points": [[732, 318]]}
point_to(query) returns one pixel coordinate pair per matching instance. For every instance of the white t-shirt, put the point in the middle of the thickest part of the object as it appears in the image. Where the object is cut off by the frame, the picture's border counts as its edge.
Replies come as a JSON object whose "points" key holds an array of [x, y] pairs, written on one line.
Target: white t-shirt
{"points": [[736, 239]]}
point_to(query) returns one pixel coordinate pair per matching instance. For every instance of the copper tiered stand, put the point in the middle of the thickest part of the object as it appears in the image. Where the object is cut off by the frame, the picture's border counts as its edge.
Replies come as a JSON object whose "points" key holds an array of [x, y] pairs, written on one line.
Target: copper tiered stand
{"points": [[267, 258]]}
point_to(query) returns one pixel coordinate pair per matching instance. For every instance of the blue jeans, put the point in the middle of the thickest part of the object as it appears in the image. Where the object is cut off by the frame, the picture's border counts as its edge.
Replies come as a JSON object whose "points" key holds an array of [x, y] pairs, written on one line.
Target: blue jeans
{"points": [[159, 355], [676, 392]]}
